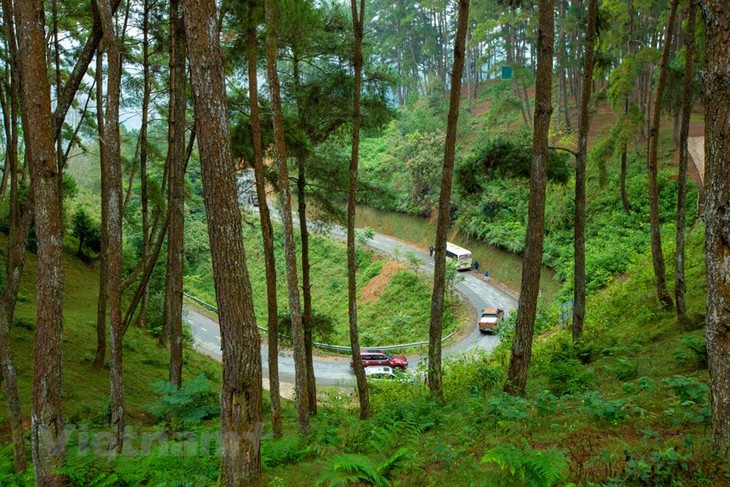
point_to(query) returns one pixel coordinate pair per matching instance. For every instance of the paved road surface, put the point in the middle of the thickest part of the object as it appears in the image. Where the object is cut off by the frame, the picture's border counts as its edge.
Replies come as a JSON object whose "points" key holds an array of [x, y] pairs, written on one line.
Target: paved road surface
{"points": [[336, 370]]}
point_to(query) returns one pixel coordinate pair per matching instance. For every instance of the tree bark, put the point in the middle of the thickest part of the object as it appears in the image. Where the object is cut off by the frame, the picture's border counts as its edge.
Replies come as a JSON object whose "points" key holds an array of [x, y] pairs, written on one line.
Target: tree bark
{"points": [[360, 382], [101, 321], [584, 120], [689, 42], [300, 376], [656, 237], [527, 305], [267, 232], [622, 181], [241, 404], [435, 377], [47, 433], [147, 88], [19, 226], [307, 316], [716, 14], [112, 154], [176, 162]]}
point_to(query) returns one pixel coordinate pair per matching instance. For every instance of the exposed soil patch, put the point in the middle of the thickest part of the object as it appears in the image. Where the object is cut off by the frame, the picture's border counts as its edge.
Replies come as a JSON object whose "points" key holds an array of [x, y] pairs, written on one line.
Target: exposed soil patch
{"points": [[372, 291]]}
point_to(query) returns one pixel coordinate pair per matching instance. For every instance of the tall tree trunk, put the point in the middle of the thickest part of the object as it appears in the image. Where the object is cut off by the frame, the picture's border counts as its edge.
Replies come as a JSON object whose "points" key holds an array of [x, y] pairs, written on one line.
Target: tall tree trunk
{"points": [[361, 384], [19, 226], [176, 162], [47, 433], [300, 376], [101, 306], [584, 120], [689, 42], [656, 237], [527, 305], [267, 232], [112, 151], [443, 223], [147, 88], [624, 149], [241, 402], [716, 14], [307, 316]]}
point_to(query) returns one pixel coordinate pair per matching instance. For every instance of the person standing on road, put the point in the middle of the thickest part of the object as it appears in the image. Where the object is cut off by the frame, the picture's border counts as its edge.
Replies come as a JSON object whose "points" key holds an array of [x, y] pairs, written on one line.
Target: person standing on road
{"points": [[430, 250], [486, 276], [476, 266]]}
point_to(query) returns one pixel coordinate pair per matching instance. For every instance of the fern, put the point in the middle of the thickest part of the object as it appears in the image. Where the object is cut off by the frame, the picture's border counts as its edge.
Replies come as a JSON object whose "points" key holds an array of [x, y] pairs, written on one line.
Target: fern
{"points": [[349, 469], [536, 468]]}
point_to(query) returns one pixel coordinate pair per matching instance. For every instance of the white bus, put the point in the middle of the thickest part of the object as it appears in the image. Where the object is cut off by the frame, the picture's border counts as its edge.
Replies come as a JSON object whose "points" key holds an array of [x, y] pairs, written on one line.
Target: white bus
{"points": [[460, 255]]}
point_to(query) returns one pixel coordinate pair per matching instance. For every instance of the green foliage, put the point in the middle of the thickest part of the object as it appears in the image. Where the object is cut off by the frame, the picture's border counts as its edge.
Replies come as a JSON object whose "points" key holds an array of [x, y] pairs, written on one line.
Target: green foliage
{"points": [[506, 159], [194, 402], [525, 466], [505, 407], [86, 230], [569, 376], [659, 467], [348, 469], [693, 400], [284, 451], [625, 369], [695, 352], [364, 235], [601, 409]]}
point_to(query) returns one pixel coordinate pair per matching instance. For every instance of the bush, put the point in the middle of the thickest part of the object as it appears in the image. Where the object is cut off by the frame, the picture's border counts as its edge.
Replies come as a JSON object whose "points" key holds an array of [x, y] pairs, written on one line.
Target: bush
{"points": [[603, 409], [194, 402], [569, 377], [695, 353]]}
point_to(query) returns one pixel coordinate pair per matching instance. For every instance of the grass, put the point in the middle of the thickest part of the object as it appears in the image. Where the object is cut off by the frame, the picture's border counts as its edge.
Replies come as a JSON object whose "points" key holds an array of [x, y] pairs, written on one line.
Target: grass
{"points": [[86, 390]]}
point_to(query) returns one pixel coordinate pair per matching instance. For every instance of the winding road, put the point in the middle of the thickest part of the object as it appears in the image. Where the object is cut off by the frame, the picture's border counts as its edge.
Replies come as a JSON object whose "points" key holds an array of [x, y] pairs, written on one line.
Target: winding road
{"points": [[336, 370]]}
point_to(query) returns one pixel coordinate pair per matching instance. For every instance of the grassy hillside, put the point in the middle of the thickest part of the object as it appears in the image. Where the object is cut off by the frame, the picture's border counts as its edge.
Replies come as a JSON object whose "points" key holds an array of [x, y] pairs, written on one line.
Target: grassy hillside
{"points": [[86, 391]]}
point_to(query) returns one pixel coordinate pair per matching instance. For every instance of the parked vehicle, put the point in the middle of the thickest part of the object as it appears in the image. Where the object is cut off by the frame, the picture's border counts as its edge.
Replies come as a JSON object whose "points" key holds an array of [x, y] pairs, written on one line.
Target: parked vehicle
{"points": [[371, 358], [490, 319], [378, 373]]}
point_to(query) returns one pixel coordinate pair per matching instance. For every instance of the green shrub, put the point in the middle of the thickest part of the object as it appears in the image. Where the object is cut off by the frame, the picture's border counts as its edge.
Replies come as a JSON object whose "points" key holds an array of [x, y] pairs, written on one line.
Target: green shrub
{"points": [[660, 467], [569, 377], [194, 402], [285, 451], [506, 408], [625, 369], [602, 409], [693, 400]]}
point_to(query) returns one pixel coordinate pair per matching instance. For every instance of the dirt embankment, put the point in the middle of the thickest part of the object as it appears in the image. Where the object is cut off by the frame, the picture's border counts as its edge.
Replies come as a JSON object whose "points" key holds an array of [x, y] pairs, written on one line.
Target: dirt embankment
{"points": [[373, 289]]}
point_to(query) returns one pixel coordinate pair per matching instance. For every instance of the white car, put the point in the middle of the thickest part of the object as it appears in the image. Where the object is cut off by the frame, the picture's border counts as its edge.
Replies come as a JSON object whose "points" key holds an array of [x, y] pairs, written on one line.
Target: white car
{"points": [[379, 372]]}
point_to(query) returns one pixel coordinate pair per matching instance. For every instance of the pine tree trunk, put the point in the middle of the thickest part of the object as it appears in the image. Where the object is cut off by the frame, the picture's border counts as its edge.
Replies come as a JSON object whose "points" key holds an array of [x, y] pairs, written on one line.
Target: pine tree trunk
{"points": [[176, 161], [308, 316], [103, 299], [716, 14], [656, 237], [47, 433], [300, 378], [435, 377], [584, 120], [112, 151], [19, 227], [532, 263], [361, 384], [689, 42], [267, 231], [241, 394], [147, 88]]}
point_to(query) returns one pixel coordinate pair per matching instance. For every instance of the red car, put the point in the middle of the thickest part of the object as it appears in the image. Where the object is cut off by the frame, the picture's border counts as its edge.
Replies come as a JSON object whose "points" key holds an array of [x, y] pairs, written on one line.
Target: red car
{"points": [[382, 358]]}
